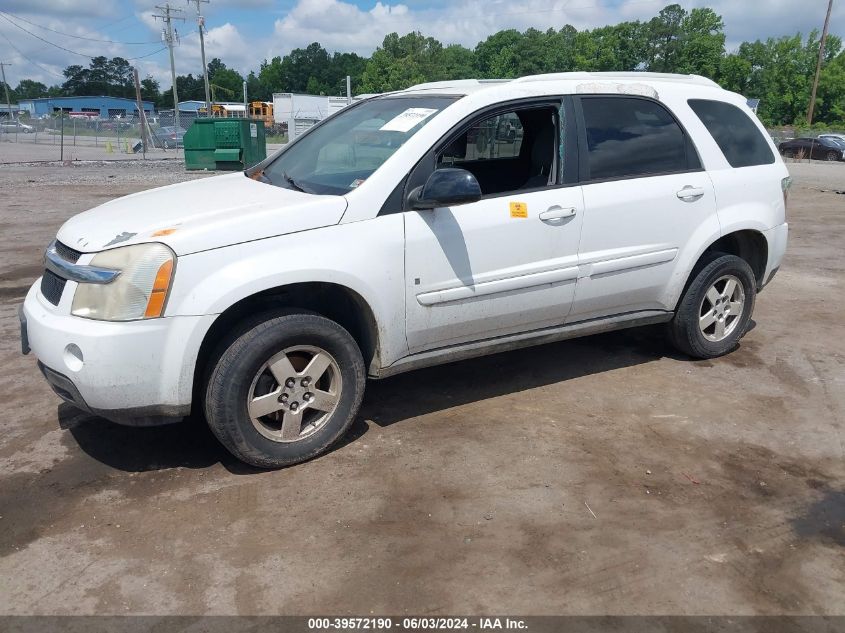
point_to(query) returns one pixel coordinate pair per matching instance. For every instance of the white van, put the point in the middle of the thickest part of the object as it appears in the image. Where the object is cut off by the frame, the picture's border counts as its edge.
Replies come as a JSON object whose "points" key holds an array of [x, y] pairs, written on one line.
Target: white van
{"points": [[426, 226]]}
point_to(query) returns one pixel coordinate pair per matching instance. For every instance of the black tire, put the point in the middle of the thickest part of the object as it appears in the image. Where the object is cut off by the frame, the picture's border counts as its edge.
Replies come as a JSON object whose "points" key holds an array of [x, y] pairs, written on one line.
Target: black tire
{"points": [[229, 387], [788, 153], [684, 331], [831, 155]]}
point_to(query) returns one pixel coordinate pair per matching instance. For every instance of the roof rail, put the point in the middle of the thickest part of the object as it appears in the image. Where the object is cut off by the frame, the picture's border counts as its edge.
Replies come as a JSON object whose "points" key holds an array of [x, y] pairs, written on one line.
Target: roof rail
{"points": [[623, 76], [456, 83]]}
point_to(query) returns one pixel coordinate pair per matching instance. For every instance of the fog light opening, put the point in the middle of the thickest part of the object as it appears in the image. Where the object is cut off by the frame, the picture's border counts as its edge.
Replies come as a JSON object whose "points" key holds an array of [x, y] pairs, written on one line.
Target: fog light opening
{"points": [[73, 357]]}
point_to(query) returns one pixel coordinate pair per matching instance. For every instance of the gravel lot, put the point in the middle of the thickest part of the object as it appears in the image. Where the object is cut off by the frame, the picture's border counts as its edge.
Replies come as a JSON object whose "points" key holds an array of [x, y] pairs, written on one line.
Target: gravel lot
{"points": [[601, 475]]}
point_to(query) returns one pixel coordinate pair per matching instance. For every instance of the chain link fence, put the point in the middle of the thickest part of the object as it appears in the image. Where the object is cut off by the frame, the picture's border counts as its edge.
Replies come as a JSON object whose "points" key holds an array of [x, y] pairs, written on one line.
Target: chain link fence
{"points": [[81, 137]]}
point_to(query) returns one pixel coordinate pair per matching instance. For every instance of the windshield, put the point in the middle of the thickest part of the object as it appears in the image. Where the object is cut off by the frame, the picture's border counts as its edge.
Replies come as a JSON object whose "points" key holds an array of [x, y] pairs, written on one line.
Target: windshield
{"points": [[347, 148]]}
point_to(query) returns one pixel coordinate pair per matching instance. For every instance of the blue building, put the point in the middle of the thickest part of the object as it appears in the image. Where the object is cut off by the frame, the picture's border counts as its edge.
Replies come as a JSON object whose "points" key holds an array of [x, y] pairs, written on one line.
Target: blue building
{"points": [[191, 106], [106, 107]]}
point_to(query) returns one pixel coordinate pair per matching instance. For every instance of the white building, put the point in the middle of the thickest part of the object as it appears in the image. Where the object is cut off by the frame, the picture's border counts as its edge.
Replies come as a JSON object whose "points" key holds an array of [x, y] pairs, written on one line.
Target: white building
{"points": [[300, 112]]}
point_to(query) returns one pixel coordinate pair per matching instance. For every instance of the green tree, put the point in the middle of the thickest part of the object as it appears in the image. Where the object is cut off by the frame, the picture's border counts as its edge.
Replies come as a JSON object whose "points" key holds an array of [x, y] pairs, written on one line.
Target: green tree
{"points": [[306, 69], [271, 75], [830, 103], [343, 64], [29, 89], [103, 76], [456, 62], [255, 89], [227, 81], [702, 43], [150, 90], [495, 57], [664, 39], [401, 62], [190, 88]]}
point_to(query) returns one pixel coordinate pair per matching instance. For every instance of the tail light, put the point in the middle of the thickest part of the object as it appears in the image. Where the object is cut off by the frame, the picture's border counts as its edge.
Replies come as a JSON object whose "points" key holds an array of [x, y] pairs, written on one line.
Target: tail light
{"points": [[785, 184]]}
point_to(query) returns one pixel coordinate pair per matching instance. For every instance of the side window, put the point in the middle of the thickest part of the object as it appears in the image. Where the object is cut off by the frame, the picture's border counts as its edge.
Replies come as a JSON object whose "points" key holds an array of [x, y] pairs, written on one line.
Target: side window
{"points": [[508, 151], [629, 137], [734, 132], [499, 136]]}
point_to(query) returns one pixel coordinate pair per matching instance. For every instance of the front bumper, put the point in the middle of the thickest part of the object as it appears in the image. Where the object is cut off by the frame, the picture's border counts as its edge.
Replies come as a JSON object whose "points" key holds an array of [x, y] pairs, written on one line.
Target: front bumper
{"points": [[135, 372]]}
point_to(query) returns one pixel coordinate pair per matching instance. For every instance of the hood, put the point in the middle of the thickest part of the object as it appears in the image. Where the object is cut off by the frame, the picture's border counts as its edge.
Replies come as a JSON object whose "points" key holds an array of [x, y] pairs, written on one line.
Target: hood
{"points": [[200, 215]]}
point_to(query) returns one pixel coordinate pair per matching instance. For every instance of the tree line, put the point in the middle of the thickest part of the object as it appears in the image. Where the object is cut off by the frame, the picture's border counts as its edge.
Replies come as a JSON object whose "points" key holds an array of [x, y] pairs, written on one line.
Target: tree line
{"points": [[778, 71]]}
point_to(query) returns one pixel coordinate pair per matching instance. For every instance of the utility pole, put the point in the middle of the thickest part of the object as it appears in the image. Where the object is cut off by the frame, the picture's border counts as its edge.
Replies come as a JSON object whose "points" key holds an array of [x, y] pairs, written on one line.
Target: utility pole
{"points": [[348, 90], [201, 26], [171, 40], [142, 120], [6, 86], [819, 63]]}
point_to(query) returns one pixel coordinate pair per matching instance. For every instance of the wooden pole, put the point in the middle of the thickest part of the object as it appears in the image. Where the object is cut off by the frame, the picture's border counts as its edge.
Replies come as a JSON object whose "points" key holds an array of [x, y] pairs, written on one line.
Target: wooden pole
{"points": [[141, 118], [819, 63]]}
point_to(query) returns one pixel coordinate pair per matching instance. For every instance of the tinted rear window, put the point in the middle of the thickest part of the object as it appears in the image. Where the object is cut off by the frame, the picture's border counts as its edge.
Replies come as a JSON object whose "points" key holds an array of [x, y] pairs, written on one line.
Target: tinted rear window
{"points": [[628, 137], [734, 132]]}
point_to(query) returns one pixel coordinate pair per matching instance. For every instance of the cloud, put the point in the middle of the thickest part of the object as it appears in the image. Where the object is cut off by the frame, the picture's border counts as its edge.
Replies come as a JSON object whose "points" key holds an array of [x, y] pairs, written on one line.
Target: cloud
{"points": [[81, 8]]}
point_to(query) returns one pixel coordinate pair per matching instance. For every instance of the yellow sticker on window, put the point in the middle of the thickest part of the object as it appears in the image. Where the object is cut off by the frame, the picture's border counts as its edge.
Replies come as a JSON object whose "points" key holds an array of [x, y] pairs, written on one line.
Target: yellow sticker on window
{"points": [[519, 210]]}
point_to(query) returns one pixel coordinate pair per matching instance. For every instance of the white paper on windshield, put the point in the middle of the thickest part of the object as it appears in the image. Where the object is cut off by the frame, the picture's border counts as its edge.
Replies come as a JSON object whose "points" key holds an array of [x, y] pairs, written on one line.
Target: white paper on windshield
{"points": [[407, 119]]}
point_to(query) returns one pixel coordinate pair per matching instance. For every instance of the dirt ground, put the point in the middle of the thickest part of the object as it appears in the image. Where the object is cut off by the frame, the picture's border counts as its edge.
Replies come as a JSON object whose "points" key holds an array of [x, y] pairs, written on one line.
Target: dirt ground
{"points": [[605, 475]]}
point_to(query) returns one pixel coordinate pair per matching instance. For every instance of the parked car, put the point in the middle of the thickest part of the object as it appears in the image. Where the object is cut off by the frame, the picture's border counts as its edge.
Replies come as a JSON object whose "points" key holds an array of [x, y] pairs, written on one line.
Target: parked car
{"points": [[16, 127], [264, 300], [836, 137], [168, 137], [822, 148]]}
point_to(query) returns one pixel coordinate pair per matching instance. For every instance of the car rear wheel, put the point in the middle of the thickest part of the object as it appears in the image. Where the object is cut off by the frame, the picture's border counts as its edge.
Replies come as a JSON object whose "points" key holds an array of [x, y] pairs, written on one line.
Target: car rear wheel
{"points": [[789, 153], [716, 307], [286, 389]]}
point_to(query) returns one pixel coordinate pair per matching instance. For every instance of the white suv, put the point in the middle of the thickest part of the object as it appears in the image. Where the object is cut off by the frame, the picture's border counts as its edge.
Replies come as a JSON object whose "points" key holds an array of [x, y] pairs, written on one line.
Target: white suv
{"points": [[426, 226]]}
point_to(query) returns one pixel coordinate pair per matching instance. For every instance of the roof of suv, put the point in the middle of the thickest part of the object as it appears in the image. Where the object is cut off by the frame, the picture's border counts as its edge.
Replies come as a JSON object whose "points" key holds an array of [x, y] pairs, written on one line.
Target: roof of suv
{"points": [[468, 86]]}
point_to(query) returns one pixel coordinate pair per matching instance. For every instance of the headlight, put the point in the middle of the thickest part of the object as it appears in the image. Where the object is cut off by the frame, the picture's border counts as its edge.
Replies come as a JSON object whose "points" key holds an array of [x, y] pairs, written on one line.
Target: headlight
{"points": [[138, 292]]}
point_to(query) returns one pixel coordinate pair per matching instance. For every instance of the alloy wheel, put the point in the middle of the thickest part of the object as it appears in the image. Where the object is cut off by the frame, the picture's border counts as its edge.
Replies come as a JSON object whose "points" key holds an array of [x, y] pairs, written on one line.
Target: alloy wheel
{"points": [[721, 308], [294, 393]]}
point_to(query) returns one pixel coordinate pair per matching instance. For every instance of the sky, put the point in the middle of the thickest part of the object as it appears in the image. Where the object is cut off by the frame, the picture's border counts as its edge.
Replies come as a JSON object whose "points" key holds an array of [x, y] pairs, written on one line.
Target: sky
{"points": [[245, 32]]}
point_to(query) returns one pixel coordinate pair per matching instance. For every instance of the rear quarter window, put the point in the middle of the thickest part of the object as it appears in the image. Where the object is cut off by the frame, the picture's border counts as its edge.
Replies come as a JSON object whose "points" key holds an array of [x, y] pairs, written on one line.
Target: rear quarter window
{"points": [[740, 140]]}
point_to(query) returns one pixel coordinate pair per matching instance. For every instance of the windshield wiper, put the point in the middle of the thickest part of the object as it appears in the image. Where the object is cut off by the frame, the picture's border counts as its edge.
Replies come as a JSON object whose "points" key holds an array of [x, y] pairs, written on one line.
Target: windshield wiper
{"points": [[293, 183]]}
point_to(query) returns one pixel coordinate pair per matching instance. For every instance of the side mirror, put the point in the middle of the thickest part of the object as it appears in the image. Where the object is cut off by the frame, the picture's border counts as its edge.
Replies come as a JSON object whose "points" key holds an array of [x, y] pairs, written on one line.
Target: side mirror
{"points": [[445, 188]]}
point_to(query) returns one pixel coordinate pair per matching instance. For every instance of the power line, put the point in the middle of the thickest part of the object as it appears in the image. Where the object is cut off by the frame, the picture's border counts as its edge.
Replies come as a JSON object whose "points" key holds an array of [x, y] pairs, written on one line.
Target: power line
{"points": [[34, 63], [67, 50], [79, 37]]}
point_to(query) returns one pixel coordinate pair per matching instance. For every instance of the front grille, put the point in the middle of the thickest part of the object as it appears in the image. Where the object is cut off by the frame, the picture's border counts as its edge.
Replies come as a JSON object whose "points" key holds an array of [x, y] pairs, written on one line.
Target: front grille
{"points": [[52, 287], [67, 253]]}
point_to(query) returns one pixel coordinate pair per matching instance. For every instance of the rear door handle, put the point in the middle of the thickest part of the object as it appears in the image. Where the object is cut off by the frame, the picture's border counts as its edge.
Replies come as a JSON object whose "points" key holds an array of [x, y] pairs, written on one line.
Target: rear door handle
{"points": [[557, 213], [691, 194]]}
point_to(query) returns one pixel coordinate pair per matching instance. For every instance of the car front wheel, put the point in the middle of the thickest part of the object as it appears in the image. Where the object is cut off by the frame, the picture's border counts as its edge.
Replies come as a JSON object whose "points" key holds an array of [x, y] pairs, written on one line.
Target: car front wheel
{"points": [[285, 389], [831, 155], [715, 309]]}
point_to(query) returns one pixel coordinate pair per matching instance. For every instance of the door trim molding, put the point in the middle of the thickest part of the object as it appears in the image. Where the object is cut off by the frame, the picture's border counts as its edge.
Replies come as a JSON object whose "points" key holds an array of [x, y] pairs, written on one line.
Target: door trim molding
{"points": [[523, 339], [486, 288], [628, 262]]}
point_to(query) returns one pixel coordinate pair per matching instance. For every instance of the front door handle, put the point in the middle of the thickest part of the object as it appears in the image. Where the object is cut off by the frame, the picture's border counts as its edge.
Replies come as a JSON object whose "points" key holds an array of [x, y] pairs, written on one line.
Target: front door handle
{"points": [[691, 194], [557, 213]]}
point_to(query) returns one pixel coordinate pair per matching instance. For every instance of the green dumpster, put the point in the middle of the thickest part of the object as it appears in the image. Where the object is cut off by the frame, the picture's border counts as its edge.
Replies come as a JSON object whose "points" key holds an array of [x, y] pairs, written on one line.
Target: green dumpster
{"points": [[224, 144]]}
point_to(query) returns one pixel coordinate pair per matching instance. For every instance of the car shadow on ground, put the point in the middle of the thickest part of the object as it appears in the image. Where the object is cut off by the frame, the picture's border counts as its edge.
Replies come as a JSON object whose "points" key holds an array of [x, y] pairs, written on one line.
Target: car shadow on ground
{"points": [[190, 444]]}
